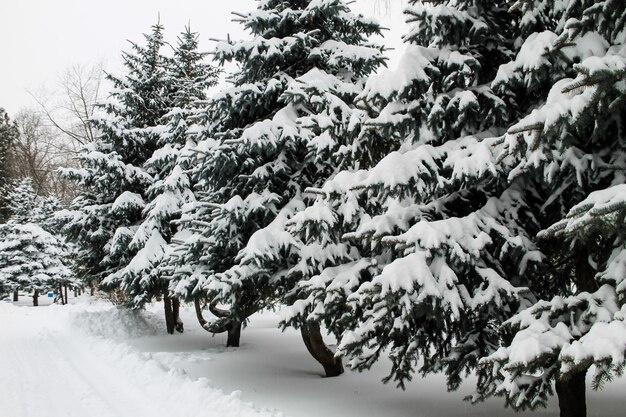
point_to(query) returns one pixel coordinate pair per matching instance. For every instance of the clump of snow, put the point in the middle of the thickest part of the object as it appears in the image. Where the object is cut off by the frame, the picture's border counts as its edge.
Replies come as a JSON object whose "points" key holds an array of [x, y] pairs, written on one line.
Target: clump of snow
{"points": [[117, 322]]}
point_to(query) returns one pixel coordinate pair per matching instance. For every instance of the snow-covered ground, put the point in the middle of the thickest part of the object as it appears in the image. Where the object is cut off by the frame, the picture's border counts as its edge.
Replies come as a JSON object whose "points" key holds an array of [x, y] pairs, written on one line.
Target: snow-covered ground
{"points": [[93, 360]]}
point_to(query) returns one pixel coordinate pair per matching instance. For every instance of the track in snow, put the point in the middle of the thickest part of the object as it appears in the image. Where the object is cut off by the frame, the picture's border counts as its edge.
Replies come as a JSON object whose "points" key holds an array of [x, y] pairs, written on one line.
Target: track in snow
{"points": [[49, 369]]}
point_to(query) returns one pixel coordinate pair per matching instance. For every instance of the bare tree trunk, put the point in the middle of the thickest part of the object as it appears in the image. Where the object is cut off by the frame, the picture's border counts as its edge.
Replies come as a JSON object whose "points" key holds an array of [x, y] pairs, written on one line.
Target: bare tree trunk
{"points": [[199, 316], [16, 296], [312, 337], [234, 333], [176, 315], [66, 300], [92, 284], [571, 393], [36, 298], [61, 294], [169, 314], [570, 388], [225, 324]]}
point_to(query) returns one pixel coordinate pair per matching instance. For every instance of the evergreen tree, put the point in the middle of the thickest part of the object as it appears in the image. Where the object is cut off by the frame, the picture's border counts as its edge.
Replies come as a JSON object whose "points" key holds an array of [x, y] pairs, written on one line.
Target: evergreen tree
{"points": [[573, 144], [267, 139], [31, 258], [114, 183], [22, 201], [189, 77], [497, 143], [418, 293], [8, 135], [44, 213]]}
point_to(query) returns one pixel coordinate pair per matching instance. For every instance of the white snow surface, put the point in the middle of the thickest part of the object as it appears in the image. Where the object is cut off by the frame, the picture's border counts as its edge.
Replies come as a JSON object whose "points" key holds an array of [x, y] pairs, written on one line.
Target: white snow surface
{"points": [[51, 369], [93, 359]]}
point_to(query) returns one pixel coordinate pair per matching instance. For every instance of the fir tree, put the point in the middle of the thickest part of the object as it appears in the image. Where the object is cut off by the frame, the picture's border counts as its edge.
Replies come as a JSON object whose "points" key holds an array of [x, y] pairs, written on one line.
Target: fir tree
{"points": [[446, 241], [268, 136], [573, 145], [189, 78], [114, 182], [22, 201], [410, 281], [8, 135], [31, 258]]}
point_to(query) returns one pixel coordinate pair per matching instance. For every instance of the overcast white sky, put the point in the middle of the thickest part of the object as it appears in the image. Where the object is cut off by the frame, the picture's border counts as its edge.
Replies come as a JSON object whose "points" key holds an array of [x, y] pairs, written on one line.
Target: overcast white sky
{"points": [[41, 38]]}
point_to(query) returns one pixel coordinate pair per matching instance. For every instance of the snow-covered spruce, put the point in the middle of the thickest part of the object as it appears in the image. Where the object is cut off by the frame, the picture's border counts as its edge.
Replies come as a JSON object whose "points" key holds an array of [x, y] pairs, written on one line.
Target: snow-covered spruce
{"points": [[32, 258], [188, 77], [104, 220], [419, 220], [280, 128], [445, 244], [574, 144], [8, 136]]}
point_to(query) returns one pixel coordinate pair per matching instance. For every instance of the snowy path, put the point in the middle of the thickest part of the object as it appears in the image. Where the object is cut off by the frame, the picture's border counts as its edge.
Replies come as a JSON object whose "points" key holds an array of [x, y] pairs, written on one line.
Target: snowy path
{"points": [[50, 367], [48, 370]]}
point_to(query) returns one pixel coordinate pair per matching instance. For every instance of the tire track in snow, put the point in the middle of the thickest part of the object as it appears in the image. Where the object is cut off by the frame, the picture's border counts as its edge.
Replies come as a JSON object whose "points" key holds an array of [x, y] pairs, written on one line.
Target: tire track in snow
{"points": [[48, 368], [59, 377], [106, 382], [34, 381]]}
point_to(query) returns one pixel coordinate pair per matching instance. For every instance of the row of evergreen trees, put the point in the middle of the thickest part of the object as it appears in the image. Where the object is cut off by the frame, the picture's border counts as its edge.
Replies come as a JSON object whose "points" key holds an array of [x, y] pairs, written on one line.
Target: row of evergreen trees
{"points": [[461, 213], [33, 257]]}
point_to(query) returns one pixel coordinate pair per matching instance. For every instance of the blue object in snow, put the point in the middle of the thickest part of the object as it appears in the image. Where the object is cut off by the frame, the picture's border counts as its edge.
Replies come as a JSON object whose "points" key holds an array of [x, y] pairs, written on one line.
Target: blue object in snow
{"points": [[50, 294]]}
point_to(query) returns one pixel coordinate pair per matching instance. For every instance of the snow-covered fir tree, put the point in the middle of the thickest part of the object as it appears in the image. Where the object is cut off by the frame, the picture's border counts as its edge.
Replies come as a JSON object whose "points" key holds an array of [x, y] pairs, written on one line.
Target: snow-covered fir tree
{"points": [[447, 245], [572, 145], [189, 76], [275, 132], [32, 259], [8, 136], [419, 292], [114, 183], [22, 200]]}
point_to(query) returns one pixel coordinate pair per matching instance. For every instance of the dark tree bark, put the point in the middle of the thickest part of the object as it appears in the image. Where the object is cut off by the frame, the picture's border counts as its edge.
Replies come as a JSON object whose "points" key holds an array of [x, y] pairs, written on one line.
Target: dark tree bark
{"points": [[234, 333], [92, 285], [312, 337], [225, 323], [584, 277], [66, 299], [571, 393], [218, 312], [36, 298], [170, 324], [61, 294], [570, 388], [197, 305], [178, 323], [16, 296]]}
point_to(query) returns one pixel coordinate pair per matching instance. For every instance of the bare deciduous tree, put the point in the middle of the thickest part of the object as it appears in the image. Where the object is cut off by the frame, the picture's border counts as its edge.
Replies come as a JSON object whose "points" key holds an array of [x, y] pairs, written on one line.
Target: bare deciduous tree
{"points": [[69, 107], [52, 134], [37, 152]]}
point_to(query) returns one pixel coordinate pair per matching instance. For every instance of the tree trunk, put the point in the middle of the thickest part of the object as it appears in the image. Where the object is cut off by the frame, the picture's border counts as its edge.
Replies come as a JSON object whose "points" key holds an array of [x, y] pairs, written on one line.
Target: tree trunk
{"points": [[36, 298], [312, 337], [92, 284], [234, 333], [61, 294], [199, 316], [66, 299], [218, 312], [16, 296], [571, 393], [225, 324], [170, 324], [178, 323]]}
